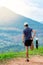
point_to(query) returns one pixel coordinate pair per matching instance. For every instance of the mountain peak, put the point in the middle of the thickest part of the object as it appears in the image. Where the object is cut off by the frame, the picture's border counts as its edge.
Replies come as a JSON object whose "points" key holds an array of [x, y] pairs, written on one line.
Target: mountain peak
{"points": [[6, 14]]}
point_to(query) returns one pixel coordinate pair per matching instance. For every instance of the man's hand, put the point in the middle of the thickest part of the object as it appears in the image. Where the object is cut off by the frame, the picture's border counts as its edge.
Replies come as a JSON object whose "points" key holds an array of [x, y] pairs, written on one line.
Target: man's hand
{"points": [[31, 38], [23, 38]]}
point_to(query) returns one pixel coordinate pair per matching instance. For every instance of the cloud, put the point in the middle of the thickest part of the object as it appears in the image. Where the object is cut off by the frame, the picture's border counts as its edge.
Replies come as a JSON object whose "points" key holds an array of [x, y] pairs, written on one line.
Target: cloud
{"points": [[36, 9], [10, 28]]}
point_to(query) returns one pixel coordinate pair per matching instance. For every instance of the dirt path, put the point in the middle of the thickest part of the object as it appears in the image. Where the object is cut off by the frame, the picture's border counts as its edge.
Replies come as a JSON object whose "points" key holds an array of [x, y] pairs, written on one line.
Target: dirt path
{"points": [[35, 60]]}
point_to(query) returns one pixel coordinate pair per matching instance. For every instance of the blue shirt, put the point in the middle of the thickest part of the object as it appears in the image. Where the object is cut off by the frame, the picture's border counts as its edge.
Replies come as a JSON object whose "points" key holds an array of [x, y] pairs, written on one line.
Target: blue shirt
{"points": [[28, 33]]}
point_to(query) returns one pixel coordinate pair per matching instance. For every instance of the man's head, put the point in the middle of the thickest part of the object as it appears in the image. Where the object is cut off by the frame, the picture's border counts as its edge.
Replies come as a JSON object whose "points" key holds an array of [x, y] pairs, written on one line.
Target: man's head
{"points": [[26, 24]]}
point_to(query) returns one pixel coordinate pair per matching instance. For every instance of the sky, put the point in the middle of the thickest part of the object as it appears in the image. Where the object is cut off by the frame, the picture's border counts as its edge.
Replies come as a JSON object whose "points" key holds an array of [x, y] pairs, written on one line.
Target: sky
{"points": [[29, 8]]}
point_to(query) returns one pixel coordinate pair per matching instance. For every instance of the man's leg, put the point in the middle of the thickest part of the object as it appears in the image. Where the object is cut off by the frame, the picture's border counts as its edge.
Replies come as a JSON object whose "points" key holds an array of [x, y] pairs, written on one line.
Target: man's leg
{"points": [[27, 55], [32, 46]]}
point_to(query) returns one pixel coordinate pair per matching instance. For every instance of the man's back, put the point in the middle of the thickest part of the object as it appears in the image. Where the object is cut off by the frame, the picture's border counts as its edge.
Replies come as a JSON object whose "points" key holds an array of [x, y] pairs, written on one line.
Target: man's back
{"points": [[28, 33]]}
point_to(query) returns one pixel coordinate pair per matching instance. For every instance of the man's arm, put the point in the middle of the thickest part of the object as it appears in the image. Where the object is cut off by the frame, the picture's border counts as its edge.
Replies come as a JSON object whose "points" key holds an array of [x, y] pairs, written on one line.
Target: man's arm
{"points": [[23, 37], [34, 33]]}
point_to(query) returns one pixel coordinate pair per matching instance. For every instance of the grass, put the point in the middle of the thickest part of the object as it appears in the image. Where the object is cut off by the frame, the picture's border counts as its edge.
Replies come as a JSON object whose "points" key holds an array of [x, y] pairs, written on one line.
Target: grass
{"points": [[9, 55], [38, 51]]}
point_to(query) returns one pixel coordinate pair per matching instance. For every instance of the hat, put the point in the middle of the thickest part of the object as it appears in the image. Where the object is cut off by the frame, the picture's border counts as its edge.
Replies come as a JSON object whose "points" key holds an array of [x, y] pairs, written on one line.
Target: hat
{"points": [[25, 23]]}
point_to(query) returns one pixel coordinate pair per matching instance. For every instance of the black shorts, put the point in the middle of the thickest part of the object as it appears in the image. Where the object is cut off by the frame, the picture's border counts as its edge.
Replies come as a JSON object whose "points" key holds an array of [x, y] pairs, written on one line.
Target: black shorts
{"points": [[28, 42]]}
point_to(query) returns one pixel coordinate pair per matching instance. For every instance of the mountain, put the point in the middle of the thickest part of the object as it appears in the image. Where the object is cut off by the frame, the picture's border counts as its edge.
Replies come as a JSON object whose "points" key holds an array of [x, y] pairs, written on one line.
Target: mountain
{"points": [[41, 22], [12, 20], [11, 27]]}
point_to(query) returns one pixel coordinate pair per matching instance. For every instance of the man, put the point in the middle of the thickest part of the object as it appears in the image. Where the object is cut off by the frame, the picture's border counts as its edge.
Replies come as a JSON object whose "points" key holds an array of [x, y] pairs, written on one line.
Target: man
{"points": [[27, 38]]}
